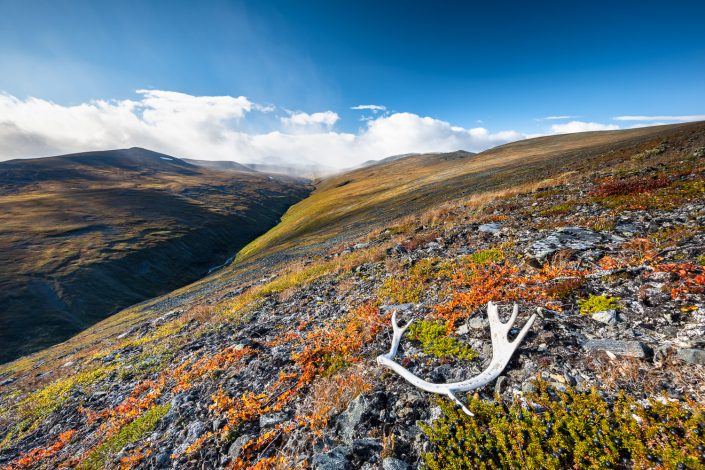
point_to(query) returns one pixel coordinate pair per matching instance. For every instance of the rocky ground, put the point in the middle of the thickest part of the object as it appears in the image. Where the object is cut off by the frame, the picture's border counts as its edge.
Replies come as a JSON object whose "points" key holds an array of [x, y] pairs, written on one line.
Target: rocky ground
{"points": [[281, 372]]}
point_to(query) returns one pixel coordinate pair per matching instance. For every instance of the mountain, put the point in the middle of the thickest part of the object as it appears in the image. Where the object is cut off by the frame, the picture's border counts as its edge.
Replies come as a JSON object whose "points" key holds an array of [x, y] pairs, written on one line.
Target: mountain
{"points": [[85, 235], [272, 361], [219, 165]]}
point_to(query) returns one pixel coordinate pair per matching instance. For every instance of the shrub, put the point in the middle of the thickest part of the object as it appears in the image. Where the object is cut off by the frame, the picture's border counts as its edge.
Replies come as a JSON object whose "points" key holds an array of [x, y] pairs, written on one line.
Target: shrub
{"points": [[573, 430], [490, 255], [598, 303], [434, 339]]}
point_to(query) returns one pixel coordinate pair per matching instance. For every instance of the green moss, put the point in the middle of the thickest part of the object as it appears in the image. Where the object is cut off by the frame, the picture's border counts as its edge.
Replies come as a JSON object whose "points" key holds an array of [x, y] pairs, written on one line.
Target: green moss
{"points": [[44, 401], [573, 430], [491, 255], [701, 260], [434, 339], [128, 434], [598, 303], [559, 209]]}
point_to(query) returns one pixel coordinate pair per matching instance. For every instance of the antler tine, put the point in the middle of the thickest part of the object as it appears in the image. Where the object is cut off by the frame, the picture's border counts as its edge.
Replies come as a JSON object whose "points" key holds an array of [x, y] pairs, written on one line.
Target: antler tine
{"points": [[397, 333]]}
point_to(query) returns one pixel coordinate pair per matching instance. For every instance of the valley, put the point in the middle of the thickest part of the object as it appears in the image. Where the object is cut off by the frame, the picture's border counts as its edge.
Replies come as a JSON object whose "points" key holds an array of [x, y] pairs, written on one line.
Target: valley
{"points": [[83, 236]]}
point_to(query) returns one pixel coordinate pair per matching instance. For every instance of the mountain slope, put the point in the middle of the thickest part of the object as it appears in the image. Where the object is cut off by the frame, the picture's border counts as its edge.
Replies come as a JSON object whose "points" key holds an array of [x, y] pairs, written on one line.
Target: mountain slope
{"points": [[85, 235], [219, 165], [270, 363]]}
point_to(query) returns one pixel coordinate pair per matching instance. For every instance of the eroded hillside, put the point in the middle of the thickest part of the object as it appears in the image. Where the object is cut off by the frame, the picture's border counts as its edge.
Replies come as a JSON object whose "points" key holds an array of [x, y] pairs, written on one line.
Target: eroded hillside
{"points": [[83, 236], [271, 364]]}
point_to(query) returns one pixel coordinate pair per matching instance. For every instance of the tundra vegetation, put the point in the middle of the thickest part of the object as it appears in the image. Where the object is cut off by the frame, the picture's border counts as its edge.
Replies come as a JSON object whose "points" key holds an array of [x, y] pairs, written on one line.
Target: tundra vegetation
{"points": [[277, 360]]}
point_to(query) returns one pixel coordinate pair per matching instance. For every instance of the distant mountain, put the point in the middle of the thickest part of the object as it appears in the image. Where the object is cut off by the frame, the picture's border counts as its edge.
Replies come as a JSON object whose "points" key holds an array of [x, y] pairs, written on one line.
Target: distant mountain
{"points": [[309, 171], [219, 165], [84, 235]]}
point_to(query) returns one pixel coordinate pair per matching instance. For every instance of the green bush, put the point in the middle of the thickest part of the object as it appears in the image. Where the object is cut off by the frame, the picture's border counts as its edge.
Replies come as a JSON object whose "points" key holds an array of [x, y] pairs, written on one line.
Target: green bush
{"points": [[571, 430], [597, 303], [434, 340], [490, 255]]}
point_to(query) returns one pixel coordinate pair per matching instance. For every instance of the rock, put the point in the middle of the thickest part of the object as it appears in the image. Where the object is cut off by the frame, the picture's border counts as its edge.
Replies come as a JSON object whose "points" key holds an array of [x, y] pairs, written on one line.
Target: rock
{"points": [[360, 410], [360, 246], [271, 420], [573, 238], [618, 347], [652, 294], [162, 460], [235, 448], [398, 307], [390, 463], [365, 449], [608, 317], [336, 459], [492, 228], [6, 382], [692, 356]]}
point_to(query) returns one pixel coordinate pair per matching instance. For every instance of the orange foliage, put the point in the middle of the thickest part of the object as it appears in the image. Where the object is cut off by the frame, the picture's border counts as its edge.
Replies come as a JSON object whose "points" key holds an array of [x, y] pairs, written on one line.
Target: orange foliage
{"points": [[477, 284], [633, 185], [34, 456], [691, 279]]}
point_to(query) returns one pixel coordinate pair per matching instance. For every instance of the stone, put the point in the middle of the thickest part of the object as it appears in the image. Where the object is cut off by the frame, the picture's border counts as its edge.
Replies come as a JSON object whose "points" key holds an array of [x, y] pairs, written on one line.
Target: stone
{"points": [[272, 419], [365, 449], [398, 307], [357, 412], [608, 317], [617, 347], [336, 459], [573, 238], [390, 463], [492, 228], [235, 448], [692, 356]]}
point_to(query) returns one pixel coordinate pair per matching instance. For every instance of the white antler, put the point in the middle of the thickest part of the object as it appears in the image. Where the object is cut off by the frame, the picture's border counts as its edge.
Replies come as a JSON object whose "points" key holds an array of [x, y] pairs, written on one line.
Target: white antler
{"points": [[502, 350]]}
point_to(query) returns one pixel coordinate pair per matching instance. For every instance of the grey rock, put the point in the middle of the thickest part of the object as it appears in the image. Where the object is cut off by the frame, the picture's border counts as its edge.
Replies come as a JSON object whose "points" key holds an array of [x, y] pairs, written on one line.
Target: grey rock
{"points": [[272, 419], [608, 317], [399, 307], [360, 246], [573, 238], [162, 460], [357, 412], [336, 459], [6, 382], [618, 347], [390, 463], [692, 356], [365, 449], [493, 228], [235, 448]]}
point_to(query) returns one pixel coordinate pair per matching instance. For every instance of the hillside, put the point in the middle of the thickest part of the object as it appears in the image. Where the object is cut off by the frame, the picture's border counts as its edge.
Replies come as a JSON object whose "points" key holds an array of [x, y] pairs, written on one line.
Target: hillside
{"points": [[85, 235], [270, 362], [219, 165]]}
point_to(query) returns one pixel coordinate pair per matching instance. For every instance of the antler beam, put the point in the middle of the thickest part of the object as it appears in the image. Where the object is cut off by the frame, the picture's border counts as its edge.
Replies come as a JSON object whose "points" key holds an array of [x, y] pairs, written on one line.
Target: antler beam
{"points": [[502, 350]]}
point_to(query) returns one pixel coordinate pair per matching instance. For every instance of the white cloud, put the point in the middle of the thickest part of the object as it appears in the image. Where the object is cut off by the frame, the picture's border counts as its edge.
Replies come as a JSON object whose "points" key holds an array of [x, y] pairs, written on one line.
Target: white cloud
{"points": [[581, 126], [375, 108], [556, 118], [326, 118], [220, 128], [692, 117]]}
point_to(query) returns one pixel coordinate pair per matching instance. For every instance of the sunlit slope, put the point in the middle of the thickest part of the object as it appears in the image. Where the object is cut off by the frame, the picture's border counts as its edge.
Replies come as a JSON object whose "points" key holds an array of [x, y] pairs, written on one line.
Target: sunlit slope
{"points": [[353, 202]]}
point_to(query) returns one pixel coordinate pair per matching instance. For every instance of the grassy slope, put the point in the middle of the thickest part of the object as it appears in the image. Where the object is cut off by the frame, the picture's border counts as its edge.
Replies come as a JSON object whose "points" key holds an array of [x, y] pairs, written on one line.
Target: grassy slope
{"points": [[347, 206], [352, 203], [88, 234]]}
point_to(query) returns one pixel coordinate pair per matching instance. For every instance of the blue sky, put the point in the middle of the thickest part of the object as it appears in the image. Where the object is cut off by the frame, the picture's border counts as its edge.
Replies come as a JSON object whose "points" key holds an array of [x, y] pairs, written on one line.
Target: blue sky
{"points": [[500, 67]]}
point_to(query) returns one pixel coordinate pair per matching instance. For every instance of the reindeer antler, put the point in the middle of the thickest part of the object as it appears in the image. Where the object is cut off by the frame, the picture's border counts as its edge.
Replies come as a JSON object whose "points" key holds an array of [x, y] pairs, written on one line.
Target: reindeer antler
{"points": [[502, 350]]}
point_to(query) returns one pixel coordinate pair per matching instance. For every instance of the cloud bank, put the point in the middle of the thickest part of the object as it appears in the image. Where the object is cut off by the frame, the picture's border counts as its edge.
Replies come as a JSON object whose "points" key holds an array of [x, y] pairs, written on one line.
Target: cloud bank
{"points": [[581, 126], [220, 128]]}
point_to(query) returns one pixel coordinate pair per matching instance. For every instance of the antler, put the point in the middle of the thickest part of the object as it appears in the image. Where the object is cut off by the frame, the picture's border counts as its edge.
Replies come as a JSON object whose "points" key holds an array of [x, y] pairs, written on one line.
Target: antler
{"points": [[502, 350]]}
